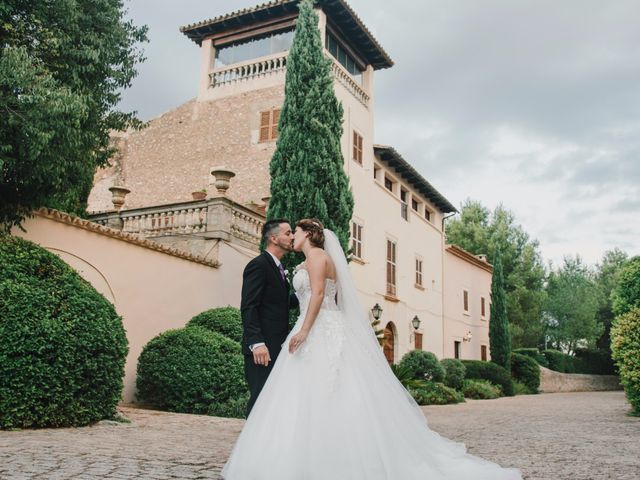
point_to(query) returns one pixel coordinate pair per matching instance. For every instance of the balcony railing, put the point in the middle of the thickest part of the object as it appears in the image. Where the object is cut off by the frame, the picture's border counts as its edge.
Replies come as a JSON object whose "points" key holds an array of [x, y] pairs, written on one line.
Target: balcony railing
{"points": [[244, 71], [267, 66], [213, 218]]}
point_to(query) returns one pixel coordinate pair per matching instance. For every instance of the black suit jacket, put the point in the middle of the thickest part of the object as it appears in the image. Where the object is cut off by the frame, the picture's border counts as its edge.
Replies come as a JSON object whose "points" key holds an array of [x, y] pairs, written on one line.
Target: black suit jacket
{"points": [[264, 305]]}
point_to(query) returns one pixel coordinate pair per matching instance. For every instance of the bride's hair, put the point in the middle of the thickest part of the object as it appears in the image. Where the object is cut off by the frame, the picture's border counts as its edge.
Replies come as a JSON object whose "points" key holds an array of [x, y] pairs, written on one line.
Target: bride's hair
{"points": [[315, 229]]}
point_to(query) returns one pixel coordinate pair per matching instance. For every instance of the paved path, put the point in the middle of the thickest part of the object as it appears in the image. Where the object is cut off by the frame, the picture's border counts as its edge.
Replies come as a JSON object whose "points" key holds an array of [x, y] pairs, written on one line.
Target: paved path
{"points": [[575, 436]]}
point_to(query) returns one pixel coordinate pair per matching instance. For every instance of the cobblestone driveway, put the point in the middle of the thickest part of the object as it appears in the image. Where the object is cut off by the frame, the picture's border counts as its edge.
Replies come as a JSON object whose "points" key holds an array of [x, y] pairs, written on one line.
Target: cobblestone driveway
{"points": [[575, 436]]}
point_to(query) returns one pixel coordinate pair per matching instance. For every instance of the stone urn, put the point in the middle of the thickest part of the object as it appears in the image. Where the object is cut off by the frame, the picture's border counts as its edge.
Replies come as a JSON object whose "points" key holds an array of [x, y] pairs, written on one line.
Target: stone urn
{"points": [[266, 202], [118, 194], [223, 179]]}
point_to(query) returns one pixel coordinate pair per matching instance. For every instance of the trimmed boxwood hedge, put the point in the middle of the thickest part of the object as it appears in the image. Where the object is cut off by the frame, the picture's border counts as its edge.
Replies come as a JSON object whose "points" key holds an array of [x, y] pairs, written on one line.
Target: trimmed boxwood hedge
{"points": [[436, 393], [191, 370], [478, 369], [533, 353], [423, 365], [526, 370], [454, 372], [224, 320], [62, 344], [480, 390]]}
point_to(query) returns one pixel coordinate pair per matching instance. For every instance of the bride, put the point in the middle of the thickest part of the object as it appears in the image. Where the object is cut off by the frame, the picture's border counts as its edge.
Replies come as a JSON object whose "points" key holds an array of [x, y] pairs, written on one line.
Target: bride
{"points": [[331, 408]]}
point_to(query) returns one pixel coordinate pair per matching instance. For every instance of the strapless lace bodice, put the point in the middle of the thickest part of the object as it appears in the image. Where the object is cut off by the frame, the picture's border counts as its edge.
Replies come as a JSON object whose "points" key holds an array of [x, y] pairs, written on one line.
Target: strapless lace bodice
{"points": [[302, 287]]}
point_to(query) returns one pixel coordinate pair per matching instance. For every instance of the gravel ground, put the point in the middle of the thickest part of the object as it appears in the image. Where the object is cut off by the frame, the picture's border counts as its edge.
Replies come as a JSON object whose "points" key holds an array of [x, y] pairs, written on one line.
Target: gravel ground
{"points": [[553, 436]]}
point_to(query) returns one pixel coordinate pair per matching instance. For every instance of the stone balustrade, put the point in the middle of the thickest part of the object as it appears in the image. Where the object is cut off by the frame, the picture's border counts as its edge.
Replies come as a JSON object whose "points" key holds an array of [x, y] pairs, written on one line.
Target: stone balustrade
{"points": [[214, 218], [247, 70], [266, 66]]}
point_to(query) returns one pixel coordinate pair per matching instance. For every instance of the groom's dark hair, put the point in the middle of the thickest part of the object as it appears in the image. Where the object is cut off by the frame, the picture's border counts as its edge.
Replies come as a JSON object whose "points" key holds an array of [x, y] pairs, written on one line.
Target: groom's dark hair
{"points": [[270, 228]]}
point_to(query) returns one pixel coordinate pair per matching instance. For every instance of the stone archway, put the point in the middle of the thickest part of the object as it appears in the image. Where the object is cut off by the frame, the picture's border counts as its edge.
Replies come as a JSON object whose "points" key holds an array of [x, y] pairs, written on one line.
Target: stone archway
{"points": [[389, 347]]}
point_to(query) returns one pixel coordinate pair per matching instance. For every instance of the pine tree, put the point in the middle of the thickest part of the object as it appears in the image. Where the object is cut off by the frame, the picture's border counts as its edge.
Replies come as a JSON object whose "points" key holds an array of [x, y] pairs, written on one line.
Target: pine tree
{"points": [[307, 168], [499, 337]]}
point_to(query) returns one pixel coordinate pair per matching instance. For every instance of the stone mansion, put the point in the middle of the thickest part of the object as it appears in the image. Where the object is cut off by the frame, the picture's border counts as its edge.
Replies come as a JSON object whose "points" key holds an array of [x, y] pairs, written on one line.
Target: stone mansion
{"points": [[197, 180]]}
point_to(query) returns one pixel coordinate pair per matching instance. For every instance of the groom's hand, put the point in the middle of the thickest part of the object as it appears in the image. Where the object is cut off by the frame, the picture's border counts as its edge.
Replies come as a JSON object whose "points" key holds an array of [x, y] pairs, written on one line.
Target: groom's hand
{"points": [[261, 356]]}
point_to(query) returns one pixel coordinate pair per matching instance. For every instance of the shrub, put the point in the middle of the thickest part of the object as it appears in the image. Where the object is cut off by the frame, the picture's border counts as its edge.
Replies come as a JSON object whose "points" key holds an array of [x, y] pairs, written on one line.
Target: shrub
{"points": [[625, 348], [62, 345], [436, 393], [480, 389], [526, 370], [423, 365], [224, 320], [533, 353], [234, 408], [595, 361], [190, 370], [454, 372], [480, 370], [520, 388], [626, 295], [559, 361], [405, 377]]}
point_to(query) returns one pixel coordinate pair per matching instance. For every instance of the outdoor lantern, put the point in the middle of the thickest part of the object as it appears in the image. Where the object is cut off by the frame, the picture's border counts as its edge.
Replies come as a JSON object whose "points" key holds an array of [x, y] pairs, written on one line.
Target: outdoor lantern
{"points": [[415, 322], [376, 311]]}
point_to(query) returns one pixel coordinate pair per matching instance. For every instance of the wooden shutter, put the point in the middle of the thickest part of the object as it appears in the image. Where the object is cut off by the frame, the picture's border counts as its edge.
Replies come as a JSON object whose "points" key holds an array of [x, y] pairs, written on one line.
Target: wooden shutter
{"points": [[418, 341], [274, 123], [264, 125]]}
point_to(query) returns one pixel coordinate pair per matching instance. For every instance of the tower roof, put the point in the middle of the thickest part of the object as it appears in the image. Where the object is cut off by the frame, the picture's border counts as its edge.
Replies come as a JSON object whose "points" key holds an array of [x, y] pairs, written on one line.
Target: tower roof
{"points": [[411, 175], [338, 11]]}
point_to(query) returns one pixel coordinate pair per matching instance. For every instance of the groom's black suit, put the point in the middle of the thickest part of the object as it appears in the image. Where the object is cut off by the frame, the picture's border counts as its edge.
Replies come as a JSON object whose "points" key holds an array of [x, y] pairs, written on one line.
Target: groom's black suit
{"points": [[264, 306]]}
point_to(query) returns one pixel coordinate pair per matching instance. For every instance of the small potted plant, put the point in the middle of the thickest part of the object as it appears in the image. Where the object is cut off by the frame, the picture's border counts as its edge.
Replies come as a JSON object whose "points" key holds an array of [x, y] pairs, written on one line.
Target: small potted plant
{"points": [[199, 194]]}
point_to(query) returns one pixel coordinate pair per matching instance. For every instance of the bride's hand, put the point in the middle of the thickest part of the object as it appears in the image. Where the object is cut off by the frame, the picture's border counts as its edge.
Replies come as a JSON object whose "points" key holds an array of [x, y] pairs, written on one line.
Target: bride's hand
{"points": [[297, 340]]}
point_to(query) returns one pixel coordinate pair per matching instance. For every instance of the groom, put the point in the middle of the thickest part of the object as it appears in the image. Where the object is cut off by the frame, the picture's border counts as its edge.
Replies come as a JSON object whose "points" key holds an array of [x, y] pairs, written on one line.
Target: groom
{"points": [[265, 306]]}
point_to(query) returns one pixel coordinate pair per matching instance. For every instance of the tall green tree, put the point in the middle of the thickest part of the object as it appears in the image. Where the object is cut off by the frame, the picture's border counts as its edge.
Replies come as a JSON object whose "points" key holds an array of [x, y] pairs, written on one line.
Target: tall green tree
{"points": [[479, 230], [572, 306], [499, 336], [626, 295], [607, 279], [307, 168], [63, 66]]}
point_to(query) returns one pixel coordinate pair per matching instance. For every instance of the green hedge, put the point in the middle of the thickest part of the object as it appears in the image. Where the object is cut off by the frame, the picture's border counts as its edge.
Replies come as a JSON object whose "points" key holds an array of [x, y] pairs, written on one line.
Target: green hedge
{"points": [[423, 365], [480, 370], [533, 353], [525, 370], [625, 346], [454, 372], [191, 370], [598, 362], [626, 295], [436, 393], [480, 390], [62, 345], [224, 320], [560, 361]]}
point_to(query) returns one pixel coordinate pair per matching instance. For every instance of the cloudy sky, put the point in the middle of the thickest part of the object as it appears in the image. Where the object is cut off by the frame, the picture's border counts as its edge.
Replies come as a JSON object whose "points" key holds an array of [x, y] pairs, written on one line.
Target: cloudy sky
{"points": [[531, 103]]}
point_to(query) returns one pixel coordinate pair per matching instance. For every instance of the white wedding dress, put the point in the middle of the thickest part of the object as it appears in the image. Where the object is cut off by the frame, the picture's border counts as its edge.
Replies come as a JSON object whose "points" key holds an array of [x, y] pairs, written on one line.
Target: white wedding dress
{"points": [[334, 410]]}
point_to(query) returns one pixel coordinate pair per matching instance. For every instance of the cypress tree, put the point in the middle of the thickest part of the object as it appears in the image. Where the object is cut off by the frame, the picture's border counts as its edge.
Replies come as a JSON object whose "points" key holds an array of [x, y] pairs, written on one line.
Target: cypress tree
{"points": [[499, 337], [307, 168]]}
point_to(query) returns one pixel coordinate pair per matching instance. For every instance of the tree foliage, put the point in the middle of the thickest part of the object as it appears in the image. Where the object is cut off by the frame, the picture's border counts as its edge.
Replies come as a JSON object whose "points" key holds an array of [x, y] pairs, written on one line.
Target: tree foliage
{"points": [[607, 279], [481, 231], [63, 66], [499, 336], [626, 295], [572, 306], [307, 168]]}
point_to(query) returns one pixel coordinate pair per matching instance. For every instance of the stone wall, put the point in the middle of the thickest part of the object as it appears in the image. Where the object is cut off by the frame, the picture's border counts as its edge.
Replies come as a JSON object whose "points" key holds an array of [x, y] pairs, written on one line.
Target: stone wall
{"points": [[173, 156], [554, 382]]}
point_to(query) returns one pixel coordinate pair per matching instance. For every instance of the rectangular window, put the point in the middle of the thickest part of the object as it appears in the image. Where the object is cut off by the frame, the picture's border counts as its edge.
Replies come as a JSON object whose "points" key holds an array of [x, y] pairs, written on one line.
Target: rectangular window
{"points": [[414, 204], [418, 341], [269, 125], [356, 240], [388, 184], [483, 352], [250, 48], [338, 52], [404, 208], [465, 296], [357, 148], [482, 307], [391, 267], [427, 215], [376, 172], [456, 349], [419, 271]]}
